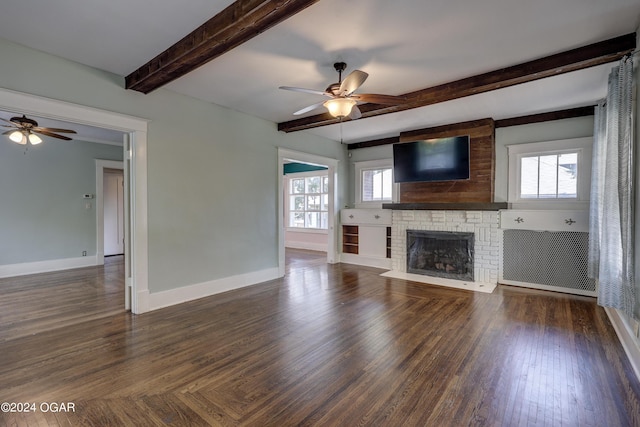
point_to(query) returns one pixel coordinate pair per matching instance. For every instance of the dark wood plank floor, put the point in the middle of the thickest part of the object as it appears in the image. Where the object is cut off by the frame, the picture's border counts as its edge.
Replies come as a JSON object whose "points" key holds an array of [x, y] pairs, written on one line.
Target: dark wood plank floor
{"points": [[41, 302], [328, 345]]}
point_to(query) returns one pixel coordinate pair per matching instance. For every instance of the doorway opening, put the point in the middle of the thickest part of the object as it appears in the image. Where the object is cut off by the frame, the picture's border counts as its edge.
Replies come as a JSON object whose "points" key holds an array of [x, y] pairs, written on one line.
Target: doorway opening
{"points": [[307, 205], [111, 216], [113, 212], [135, 172]]}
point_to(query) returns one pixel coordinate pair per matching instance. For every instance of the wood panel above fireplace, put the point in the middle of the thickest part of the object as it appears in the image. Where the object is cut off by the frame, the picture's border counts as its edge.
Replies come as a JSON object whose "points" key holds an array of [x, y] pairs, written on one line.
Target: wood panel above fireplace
{"points": [[479, 188]]}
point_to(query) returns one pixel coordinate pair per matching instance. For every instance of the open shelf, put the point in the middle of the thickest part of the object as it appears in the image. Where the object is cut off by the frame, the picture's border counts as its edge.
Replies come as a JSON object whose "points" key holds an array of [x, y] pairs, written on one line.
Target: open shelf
{"points": [[350, 239]]}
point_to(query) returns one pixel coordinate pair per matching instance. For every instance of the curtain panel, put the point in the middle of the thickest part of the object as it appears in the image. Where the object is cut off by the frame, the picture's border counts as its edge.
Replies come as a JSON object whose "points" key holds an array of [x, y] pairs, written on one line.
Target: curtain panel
{"points": [[611, 243]]}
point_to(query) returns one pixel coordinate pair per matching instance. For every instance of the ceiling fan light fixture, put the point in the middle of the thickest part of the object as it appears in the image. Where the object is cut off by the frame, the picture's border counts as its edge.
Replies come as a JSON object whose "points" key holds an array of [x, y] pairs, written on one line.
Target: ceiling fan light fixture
{"points": [[34, 139], [25, 129], [18, 137], [340, 107]]}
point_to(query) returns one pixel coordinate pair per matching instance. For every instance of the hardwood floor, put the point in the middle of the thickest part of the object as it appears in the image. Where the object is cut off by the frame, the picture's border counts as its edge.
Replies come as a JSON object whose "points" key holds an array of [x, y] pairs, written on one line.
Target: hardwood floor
{"points": [[328, 345], [41, 302]]}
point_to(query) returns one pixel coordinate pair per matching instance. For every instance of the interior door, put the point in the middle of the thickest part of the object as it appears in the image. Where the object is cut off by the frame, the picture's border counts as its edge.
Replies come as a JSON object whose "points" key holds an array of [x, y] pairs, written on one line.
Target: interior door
{"points": [[113, 212]]}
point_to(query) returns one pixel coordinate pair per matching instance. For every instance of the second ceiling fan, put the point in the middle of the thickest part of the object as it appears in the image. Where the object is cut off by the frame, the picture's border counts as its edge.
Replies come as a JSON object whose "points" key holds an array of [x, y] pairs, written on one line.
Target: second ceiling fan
{"points": [[23, 129], [343, 99]]}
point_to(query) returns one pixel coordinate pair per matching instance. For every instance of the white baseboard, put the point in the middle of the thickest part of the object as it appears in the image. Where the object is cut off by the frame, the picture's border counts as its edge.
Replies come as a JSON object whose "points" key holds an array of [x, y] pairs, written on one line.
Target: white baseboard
{"points": [[366, 261], [201, 290], [322, 247], [547, 287], [21, 269], [441, 281], [630, 343]]}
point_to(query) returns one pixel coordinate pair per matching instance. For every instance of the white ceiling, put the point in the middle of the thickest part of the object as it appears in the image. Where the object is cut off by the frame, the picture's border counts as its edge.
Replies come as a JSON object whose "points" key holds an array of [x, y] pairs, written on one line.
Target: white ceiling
{"points": [[404, 46]]}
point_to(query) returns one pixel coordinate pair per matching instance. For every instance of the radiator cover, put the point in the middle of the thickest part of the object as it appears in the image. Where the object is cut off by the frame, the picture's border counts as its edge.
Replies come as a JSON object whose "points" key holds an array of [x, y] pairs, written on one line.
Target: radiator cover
{"points": [[551, 260]]}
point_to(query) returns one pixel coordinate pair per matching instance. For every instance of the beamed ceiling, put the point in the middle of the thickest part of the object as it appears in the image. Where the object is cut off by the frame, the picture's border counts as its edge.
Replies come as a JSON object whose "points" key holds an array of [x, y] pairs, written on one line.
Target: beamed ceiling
{"points": [[454, 61]]}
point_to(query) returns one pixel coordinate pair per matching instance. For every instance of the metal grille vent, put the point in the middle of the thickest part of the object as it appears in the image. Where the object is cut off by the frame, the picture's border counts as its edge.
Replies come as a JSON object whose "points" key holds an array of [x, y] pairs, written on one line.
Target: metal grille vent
{"points": [[557, 259]]}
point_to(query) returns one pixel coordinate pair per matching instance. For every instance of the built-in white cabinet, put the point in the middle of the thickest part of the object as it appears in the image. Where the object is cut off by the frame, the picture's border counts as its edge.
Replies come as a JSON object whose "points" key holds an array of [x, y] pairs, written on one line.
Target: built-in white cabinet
{"points": [[545, 220], [366, 237]]}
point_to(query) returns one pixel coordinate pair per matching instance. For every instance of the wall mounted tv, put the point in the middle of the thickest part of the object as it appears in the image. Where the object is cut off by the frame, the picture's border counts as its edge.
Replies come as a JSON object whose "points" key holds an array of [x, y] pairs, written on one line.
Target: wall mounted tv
{"points": [[442, 159]]}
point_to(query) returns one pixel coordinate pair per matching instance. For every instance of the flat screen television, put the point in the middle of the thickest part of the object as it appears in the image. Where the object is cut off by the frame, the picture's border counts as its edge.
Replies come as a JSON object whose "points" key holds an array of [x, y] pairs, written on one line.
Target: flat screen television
{"points": [[442, 159]]}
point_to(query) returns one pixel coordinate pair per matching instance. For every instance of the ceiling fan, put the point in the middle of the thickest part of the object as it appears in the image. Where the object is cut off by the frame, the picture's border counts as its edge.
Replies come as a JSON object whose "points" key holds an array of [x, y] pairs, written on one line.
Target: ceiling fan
{"points": [[23, 130], [343, 99]]}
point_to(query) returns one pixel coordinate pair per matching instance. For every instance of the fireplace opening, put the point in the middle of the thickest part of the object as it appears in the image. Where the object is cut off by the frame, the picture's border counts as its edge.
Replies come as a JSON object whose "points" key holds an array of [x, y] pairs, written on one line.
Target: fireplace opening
{"points": [[440, 253]]}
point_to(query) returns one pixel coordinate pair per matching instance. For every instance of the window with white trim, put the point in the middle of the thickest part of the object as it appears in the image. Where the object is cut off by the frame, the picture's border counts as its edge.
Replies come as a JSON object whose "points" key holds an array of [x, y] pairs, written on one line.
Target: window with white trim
{"points": [[550, 172], [374, 183], [549, 176], [308, 201]]}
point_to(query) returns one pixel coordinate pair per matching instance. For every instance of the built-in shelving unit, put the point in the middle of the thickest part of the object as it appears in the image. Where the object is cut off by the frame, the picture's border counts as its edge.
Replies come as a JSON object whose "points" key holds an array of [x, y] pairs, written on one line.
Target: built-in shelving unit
{"points": [[350, 239], [389, 242], [366, 237]]}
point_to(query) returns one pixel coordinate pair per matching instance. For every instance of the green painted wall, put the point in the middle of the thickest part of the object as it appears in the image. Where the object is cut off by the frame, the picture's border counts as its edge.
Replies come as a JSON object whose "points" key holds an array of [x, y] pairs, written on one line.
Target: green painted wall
{"points": [[212, 172], [42, 212]]}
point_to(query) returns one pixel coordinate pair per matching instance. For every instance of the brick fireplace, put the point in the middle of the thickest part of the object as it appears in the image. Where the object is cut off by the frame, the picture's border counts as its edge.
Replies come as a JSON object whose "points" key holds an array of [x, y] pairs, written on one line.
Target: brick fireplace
{"points": [[485, 247]]}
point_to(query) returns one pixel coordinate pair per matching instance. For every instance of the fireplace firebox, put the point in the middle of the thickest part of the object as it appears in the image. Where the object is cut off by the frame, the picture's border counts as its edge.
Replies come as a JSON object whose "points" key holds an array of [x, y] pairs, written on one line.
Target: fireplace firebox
{"points": [[440, 253]]}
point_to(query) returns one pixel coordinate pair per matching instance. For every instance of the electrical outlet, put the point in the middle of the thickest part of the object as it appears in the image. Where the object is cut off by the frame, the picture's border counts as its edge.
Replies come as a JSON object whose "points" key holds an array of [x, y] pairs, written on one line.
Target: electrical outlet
{"points": [[84, 253]]}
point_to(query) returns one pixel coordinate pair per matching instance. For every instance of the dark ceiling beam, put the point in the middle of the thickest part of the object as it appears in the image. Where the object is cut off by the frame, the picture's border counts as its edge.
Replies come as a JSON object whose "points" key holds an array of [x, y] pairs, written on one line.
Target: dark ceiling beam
{"points": [[373, 143], [546, 117], [238, 23], [572, 60], [503, 123]]}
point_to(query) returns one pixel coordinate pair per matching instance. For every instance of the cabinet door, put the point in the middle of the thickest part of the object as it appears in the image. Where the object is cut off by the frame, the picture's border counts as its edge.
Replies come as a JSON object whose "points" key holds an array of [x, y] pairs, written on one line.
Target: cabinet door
{"points": [[372, 241]]}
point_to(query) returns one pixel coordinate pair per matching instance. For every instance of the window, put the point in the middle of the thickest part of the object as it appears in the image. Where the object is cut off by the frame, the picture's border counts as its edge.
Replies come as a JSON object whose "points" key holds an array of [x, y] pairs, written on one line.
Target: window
{"points": [[550, 172], [309, 201], [550, 176], [374, 182]]}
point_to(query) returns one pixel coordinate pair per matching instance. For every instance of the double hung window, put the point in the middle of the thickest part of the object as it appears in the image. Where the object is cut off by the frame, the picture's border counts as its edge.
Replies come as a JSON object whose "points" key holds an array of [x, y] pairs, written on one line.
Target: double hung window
{"points": [[309, 201], [550, 172], [374, 183]]}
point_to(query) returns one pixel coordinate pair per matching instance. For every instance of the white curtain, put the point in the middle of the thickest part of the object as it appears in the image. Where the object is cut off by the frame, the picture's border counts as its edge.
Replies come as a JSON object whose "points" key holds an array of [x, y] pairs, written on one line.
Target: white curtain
{"points": [[611, 243]]}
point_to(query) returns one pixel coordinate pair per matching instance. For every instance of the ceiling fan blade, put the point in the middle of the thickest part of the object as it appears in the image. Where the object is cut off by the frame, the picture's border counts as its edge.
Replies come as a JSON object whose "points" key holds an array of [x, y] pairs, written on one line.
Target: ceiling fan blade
{"points": [[54, 130], [301, 89], [53, 135], [375, 98], [355, 113], [10, 122], [8, 132], [309, 108], [352, 82]]}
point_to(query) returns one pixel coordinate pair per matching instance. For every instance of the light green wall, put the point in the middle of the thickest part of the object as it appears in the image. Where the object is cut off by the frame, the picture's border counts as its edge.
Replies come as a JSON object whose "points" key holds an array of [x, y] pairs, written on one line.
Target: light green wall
{"points": [[42, 212], [548, 131], [362, 155], [212, 172]]}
